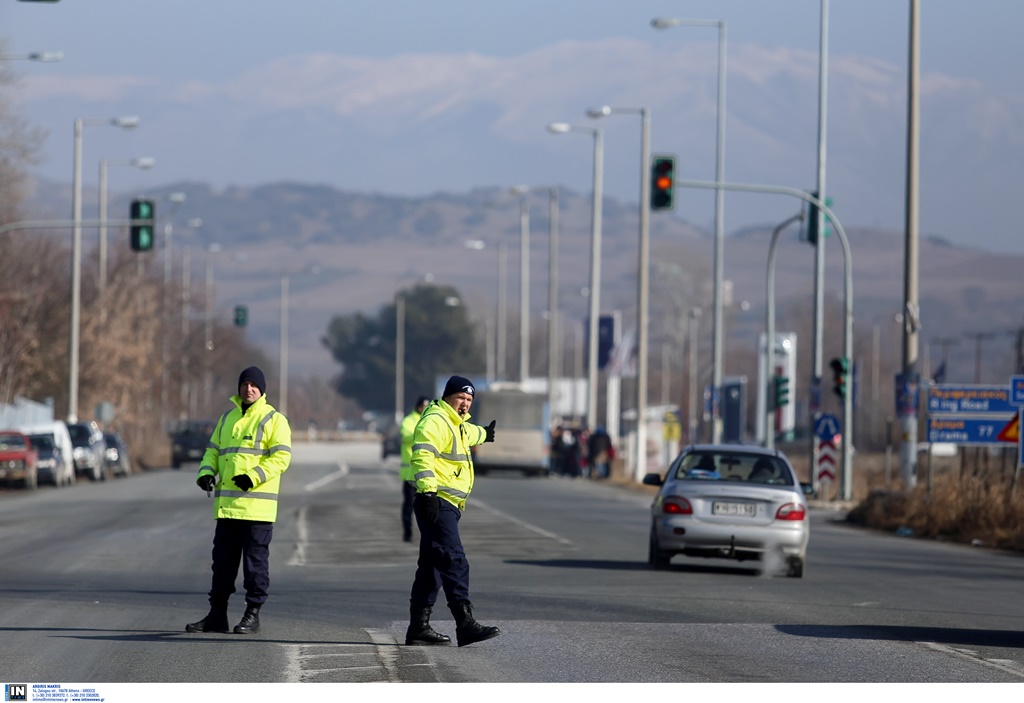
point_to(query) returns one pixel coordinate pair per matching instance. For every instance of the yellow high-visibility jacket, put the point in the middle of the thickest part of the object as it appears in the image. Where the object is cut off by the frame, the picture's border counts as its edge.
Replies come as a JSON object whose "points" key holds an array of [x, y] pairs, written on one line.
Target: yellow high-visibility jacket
{"points": [[257, 443], [407, 429], [441, 461]]}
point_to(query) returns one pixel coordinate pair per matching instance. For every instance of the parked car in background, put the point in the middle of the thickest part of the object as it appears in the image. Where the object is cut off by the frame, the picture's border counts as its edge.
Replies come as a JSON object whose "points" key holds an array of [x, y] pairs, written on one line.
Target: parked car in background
{"points": [[89, 450], [189, 440], [730, 502], [117, 455], [18, 460], [56, 465], [391, 442], [50, 461]]}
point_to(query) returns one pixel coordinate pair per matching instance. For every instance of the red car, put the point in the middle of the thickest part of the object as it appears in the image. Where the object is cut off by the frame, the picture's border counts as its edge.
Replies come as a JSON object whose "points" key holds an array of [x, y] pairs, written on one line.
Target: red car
{"points": [[18, 459]]}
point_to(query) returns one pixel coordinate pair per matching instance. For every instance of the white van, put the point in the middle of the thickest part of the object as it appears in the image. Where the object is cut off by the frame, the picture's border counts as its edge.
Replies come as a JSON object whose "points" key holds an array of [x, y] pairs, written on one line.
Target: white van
{"points": [[60, 470]]}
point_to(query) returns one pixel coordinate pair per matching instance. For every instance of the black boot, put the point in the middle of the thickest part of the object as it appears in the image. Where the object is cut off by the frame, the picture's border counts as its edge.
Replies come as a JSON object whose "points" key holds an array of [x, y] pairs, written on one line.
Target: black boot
{"points": [[250, 623], [420, 632], [215, 621], [468, 630]]}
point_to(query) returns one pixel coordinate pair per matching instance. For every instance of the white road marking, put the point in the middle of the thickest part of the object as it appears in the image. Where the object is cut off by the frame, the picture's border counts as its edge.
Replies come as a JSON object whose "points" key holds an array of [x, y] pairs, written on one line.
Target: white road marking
{"points": [[521, 523], [1005, 665], [321, 482]]}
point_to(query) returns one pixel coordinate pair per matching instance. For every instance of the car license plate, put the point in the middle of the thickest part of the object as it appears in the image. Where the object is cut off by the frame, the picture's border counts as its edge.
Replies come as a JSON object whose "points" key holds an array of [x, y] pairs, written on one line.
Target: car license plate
{"points": [[742, 509]]}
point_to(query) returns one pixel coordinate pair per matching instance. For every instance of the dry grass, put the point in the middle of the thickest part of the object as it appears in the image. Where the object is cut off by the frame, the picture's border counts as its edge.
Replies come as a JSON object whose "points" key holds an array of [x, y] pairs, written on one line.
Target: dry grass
{"points": [[973, 501]]}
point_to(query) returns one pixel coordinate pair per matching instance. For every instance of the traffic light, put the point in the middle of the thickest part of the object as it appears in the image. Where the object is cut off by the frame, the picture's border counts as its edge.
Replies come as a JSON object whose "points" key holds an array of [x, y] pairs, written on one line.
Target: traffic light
{"points": [[780, 386], [840, 370], [812, 219], [241, 315], [663, 182], [142, 232]]}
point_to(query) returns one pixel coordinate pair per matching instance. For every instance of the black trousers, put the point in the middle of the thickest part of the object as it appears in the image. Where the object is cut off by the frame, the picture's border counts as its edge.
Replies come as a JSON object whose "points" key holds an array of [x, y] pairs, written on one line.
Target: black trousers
{"points": [[248, 542], [408, 493], [442, 562]]}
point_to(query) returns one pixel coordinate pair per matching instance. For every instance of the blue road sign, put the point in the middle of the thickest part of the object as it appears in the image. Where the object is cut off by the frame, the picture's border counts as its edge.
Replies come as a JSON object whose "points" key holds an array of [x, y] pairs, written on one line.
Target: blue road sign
{"points": [[826, 426], [1017, 390], [962, 399], [966, 430]]}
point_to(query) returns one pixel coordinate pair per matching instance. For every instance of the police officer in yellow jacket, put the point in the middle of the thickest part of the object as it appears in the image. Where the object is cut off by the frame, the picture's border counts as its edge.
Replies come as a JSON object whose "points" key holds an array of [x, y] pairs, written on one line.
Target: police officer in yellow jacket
{"points": [[249, 450], [443, 469], [406, 431]]}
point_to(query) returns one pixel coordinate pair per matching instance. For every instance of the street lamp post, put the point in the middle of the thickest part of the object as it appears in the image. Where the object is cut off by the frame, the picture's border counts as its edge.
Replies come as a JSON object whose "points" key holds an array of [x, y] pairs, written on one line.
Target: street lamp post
{"points": [[212, 249], [553, 298], [399, 357], [718, 332], [283, 373], [76, 254], [143, 163], [643, 286], [692, 326], [595, 262], [524, 281]]}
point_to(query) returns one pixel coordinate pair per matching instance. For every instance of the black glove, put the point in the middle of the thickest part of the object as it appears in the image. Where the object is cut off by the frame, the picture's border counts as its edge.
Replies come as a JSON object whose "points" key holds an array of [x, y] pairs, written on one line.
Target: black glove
{"points": [[489, 429], [243, 482], [427, 506], [206, 482]]}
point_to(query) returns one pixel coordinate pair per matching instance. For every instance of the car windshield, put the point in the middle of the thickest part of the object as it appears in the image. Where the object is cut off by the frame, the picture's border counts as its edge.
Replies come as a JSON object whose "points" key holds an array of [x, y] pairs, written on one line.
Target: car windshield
{"points": [[11, 441], [732, 466], [79, 435], [42, 442]]}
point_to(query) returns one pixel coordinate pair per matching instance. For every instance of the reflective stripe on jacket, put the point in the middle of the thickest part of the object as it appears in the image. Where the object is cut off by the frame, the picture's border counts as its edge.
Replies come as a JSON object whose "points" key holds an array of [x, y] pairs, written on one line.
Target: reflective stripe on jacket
{"points": [[441, 460], [406, 433], [257, 443]]}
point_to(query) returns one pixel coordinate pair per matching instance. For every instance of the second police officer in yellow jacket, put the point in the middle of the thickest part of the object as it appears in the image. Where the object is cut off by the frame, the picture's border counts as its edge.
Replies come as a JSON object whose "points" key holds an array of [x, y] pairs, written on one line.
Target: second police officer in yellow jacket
{"points": [[443, 469], [408, 428]]}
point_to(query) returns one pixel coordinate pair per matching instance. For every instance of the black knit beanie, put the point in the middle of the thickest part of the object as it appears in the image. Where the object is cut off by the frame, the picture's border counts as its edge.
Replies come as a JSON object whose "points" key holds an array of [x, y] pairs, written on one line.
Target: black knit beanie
{"points": [[458, 384], [255, 376]]}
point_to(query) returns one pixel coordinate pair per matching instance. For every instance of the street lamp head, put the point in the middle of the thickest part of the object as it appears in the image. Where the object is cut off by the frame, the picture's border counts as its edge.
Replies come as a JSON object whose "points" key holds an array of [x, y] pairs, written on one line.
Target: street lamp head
{"points": [[177, 197], [46, 56], [475, 244], [519, 190], [596, 112], [559, 127], [144, 162], [452, 301], [665, 22], [129, 122], [194, 223]]}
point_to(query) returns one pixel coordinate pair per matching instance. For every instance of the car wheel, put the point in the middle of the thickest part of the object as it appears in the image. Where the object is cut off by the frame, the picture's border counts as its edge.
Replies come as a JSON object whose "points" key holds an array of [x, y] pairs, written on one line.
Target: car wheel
{"points": [[657, 558], [795, 568]]}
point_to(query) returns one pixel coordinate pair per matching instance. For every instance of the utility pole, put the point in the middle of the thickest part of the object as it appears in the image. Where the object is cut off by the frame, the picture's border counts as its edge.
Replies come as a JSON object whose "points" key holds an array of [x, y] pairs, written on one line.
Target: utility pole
{"points": [[907, 386], [978, 338]]}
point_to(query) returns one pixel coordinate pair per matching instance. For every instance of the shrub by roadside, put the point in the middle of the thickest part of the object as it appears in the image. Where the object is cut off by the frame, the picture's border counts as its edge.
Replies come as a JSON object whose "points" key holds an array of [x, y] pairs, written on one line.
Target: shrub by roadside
{"points": [[968, 509]]}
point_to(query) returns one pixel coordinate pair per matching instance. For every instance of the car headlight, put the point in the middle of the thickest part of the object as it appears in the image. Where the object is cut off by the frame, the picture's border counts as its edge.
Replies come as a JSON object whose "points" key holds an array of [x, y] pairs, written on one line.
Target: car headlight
{"points": [[16, 464], [50, 463], [78, 452]]}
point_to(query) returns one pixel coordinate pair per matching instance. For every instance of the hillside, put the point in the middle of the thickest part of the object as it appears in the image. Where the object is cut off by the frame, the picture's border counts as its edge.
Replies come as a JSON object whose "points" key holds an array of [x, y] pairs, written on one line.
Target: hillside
{"points": [[346, 252]]}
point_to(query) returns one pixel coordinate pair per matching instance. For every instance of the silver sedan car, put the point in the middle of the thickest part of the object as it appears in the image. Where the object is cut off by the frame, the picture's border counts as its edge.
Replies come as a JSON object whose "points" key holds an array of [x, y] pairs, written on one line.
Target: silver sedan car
{"points": [[731, 502]]}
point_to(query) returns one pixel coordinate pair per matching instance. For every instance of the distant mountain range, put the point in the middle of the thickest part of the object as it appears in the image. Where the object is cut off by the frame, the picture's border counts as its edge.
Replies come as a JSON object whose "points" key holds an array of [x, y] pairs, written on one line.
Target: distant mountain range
{"points": [[345, 252]]}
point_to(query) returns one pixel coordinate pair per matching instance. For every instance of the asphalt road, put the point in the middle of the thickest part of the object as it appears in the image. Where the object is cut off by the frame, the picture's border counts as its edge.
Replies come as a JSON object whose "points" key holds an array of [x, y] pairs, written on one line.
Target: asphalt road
{"points": [[98, 581]]}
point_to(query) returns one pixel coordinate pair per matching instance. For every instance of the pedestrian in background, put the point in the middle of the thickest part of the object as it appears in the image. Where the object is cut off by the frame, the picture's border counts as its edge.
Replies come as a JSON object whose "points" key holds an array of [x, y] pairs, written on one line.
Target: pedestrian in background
{"points": [[408, 427], [249, 449], [443, 468]]}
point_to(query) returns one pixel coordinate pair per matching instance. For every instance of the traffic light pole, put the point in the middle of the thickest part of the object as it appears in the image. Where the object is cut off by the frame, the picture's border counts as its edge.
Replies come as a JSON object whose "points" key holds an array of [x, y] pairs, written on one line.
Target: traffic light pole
{"points": [[847, 466], [769, 326]]}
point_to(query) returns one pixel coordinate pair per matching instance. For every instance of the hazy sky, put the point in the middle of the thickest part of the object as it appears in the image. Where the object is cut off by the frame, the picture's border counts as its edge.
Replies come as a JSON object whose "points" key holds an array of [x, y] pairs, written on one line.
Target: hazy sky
{"points": [[218, 42]]}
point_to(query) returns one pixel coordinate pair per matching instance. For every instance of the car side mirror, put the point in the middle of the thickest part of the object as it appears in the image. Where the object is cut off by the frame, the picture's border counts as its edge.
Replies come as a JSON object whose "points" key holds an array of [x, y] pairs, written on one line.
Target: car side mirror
{"points": [[807, 488], [652, 480]]}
